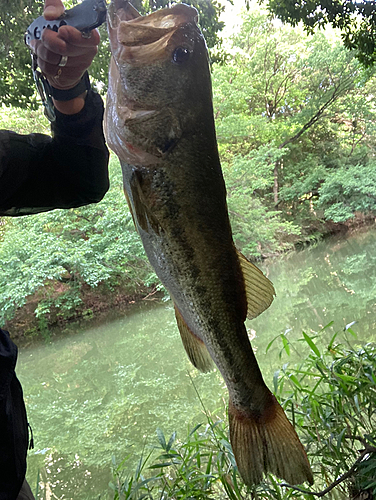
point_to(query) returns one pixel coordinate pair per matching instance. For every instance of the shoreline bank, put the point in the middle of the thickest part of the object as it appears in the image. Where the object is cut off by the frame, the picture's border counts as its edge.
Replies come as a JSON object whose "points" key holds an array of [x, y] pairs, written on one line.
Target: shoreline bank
{"points": [[101, 304]]}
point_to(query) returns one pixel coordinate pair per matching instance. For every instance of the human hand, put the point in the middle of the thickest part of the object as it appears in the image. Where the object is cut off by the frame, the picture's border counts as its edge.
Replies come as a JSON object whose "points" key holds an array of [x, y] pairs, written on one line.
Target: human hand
{"points": [[64, 56]]}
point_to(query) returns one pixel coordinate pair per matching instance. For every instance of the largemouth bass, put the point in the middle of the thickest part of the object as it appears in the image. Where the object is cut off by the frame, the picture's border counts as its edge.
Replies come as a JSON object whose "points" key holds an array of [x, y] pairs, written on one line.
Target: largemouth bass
{"points": [[159, 121]]}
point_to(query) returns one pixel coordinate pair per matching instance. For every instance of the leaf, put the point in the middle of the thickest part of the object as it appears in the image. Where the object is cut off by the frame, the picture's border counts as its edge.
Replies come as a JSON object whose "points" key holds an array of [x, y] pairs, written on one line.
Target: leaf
{"points": [[340, 438], [171, 441], [327, 326], [346, 378], [330, 345], [286, 344], [208, 465], [194, 429], [371, 485], [311, 344], [370, 438], [295, 380], [160, 466], [270, 344], [161, 438], [366, 467], [275, 380], [351, 331], [139, 468]]}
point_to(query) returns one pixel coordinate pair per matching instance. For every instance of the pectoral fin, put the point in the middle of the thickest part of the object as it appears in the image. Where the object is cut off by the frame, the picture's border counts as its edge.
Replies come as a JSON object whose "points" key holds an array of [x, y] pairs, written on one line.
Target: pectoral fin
{"points": [[259, 290], [140, 208], [130, 207], [194, 347]]}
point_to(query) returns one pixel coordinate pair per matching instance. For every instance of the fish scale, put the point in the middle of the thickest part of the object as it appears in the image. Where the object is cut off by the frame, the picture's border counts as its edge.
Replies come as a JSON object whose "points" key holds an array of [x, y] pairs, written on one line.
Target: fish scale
{"points": [[159, 121]]}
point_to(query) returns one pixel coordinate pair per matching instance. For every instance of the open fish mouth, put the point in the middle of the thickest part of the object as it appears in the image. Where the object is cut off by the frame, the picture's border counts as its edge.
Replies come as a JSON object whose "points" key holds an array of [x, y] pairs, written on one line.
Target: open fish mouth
{"points": [[143, 39]]}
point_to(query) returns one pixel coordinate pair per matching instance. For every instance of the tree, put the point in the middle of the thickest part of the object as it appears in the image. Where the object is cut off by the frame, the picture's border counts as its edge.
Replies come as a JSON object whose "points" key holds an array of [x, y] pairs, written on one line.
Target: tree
{"points": [[16, 81], [355, 20], [295, 82], [308, 98]]}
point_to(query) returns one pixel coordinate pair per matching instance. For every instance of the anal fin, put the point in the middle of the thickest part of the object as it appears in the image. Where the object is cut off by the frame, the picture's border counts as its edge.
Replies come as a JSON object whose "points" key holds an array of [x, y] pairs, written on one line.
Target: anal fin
{"points": [[194, 346], [259, 289]]}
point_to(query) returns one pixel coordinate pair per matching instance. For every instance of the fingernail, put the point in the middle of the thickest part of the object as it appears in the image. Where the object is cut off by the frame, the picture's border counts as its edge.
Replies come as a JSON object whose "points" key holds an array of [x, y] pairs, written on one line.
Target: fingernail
{"points": [[51, 13]]}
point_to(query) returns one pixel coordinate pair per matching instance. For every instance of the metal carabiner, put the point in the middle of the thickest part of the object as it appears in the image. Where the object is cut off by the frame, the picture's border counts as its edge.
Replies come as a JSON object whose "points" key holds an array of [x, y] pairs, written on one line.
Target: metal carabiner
{"points": [[43, 89]]}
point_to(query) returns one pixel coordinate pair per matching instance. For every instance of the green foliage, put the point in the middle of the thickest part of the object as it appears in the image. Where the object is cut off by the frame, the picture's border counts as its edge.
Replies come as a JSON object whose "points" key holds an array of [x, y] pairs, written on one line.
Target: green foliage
{"points": [[24, 121], [350, 189], [356, 20], [197, 467], [307, 103], [330, 398], [16, 82], [257, 229], [295, 124], [59, 252]]}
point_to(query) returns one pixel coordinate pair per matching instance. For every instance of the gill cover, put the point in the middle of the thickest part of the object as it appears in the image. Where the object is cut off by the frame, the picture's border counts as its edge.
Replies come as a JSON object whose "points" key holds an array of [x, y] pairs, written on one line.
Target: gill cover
{"points": [[138, 42]]}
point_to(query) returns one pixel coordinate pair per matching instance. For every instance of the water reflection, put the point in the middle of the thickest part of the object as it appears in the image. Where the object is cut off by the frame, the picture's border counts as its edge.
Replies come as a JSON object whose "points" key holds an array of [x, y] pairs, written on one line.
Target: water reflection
{"points": [[104, 391], [333, 281]]}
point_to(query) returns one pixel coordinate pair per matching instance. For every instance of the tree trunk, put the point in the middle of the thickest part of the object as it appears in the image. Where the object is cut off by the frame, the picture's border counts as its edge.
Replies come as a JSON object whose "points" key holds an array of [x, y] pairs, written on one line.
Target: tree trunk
{"points": [[275, 187]]}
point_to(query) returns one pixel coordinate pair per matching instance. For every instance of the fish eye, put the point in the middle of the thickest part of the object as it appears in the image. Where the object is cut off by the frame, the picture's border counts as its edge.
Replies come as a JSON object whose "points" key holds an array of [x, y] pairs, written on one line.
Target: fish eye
{"points": [[180, 55]]}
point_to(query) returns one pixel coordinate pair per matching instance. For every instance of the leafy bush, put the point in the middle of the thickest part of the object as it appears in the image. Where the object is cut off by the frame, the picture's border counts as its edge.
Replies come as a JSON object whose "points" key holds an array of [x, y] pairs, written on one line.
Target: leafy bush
{"points": [[64, 250], [331, 398], [257, 229], [348, 190], [24, 121]]}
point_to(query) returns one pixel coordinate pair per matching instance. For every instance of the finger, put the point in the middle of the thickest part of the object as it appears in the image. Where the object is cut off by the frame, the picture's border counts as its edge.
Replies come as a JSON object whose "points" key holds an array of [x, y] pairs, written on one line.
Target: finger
{"points": [[68, 75], [81, 62], [53, 9], [51, 48], [60, 42], [74, 37], [62, 77], [45, 56], [52, 42]]}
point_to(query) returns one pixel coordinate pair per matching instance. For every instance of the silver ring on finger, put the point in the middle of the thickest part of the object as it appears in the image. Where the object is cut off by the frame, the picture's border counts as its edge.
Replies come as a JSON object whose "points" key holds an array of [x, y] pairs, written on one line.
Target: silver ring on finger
{"points": [[63, 61]]}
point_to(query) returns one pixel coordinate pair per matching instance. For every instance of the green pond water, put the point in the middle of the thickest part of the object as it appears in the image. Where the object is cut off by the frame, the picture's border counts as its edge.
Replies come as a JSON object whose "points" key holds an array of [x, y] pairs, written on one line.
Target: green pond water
{"points": [[103, 391]]}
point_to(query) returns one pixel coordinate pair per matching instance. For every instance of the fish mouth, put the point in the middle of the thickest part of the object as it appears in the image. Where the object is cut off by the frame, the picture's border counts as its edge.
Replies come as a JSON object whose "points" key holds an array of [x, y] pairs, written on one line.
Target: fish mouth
{"points": [[143, 39]]}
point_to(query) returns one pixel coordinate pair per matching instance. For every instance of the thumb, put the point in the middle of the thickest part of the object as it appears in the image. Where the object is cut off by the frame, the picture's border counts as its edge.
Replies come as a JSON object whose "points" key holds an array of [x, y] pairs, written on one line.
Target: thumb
{"points": [[53, 9]]}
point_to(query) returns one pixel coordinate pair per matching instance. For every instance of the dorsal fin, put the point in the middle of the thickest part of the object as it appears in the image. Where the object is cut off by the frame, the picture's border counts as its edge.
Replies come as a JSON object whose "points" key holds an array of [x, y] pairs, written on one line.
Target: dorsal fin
{"points": [[259, 289]]}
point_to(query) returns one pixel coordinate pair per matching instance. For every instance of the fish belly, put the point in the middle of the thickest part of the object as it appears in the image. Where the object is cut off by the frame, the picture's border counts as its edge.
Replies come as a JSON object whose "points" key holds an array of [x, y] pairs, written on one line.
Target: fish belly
{"points": [[193, 255]]}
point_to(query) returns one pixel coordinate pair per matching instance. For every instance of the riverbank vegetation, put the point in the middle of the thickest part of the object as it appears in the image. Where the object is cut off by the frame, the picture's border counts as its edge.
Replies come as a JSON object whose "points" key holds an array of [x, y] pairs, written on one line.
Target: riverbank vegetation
{"points": [[65, 264], [295, 120], [329, 396]]}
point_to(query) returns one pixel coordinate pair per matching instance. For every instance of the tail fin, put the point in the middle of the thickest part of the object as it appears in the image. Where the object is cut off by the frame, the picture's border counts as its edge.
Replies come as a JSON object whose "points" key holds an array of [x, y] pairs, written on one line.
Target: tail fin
{"points": [[263, 444]]}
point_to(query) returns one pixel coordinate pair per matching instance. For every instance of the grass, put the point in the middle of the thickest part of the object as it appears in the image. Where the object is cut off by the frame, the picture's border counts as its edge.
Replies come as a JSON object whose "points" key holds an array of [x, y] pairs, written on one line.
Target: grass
{"points": [[330, 398]]}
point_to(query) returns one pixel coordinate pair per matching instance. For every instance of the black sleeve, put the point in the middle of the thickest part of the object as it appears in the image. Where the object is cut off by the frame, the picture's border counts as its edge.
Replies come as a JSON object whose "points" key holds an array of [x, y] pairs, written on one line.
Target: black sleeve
{"points": [[69, 169], [14, 437]]}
